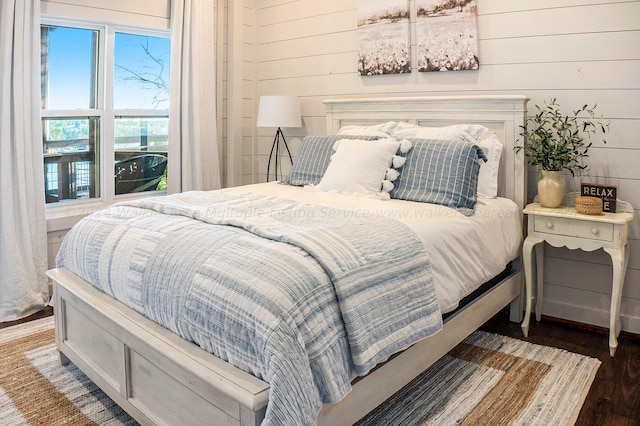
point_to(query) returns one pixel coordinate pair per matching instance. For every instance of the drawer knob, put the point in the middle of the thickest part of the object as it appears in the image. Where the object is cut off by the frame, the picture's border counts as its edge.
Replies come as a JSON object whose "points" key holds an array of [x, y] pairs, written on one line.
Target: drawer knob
{"points": [[549, 225], [595, 231]]}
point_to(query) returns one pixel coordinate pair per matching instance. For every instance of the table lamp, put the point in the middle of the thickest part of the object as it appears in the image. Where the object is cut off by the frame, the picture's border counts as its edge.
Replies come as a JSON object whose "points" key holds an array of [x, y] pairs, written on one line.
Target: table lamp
{"points": [[278, 111]]}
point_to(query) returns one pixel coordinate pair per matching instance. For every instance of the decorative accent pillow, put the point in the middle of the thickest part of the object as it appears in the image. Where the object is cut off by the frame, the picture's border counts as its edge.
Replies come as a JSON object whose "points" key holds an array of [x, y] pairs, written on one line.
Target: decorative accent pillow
{"points": [[359, 167], [488, 176], [474, 133], [313, 159], [441, 172], [383, 130]]}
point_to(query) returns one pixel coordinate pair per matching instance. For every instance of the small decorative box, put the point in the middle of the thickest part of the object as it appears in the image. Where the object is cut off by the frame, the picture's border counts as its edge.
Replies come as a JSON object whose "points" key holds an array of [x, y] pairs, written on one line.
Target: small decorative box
{"points": [[588, 205]]}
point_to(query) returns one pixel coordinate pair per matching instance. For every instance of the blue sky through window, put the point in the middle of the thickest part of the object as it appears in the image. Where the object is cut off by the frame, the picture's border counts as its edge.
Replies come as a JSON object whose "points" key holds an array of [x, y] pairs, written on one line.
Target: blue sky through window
{"points": [[141, 75], [70, 55]]}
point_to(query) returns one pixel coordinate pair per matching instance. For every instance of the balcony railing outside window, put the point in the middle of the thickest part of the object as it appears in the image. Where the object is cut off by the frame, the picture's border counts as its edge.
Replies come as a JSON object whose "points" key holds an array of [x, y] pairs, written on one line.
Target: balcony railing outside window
{"points": [[71, 169], [72, 166], [82, 131]]}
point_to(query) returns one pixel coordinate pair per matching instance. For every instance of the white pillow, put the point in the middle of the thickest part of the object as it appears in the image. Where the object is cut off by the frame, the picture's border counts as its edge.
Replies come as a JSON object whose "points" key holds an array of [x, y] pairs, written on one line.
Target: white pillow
{"points": [[488, 176], [359, 167], [470, 132], [382, 130], [405, 129]]}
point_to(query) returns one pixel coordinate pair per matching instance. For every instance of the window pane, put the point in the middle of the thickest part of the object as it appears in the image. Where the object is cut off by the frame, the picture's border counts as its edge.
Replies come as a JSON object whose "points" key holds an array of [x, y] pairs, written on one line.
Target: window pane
{"points": [[141, 73], [141, 145], [71, 160], [68, 68]]}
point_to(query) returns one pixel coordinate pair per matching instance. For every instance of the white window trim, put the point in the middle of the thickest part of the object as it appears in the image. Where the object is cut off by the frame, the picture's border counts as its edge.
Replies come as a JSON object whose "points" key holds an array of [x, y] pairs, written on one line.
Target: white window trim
{"points": [[65, 214]]}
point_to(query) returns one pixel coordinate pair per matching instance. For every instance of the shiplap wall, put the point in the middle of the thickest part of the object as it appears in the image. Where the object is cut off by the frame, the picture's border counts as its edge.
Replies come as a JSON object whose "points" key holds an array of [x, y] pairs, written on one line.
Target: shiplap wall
{"points": [[237, 90], [578, 51], [137, 13]]}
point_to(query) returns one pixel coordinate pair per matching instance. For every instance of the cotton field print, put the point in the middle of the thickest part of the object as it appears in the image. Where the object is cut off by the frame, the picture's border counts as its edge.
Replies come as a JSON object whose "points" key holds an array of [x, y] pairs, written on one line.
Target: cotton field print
{"points": [[446, 34], [383, 37]]}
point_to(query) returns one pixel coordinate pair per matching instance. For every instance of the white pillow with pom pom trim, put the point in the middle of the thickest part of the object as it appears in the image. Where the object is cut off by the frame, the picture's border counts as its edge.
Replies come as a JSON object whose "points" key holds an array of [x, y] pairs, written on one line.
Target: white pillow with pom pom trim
{"points": [[362, 168]]}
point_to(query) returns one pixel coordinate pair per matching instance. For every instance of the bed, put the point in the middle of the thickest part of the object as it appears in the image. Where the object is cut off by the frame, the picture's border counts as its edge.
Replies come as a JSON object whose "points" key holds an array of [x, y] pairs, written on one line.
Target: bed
{"points": [[161, 378]]}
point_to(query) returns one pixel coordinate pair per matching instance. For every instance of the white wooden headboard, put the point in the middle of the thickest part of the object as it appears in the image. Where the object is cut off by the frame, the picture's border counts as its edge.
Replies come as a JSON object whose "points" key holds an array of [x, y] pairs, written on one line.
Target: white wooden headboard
{"points": [[502, 114]]}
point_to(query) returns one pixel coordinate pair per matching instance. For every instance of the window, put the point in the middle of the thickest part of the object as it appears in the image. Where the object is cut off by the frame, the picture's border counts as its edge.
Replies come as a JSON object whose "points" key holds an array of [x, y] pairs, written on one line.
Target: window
{"points": [[105, 102]]}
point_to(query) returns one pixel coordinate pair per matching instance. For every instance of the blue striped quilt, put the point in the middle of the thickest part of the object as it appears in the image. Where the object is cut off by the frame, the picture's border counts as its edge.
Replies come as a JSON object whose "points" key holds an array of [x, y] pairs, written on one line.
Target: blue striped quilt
{"points": [[300, 296]]}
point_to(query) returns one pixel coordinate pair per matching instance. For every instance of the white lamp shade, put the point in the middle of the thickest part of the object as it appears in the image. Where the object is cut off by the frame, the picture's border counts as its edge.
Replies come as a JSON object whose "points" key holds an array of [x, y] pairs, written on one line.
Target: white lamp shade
{"points": [[279, 111]]}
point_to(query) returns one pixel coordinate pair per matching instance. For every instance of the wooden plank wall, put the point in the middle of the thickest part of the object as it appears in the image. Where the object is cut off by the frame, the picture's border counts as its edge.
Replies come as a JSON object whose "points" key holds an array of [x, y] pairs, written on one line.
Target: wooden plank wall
{"points": [[236, 35], [138, 13], [579, 51]]}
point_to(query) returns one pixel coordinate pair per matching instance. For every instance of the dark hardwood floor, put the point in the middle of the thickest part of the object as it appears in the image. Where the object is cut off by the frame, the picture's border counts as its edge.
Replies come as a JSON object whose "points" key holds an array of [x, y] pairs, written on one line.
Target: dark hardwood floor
{"points": [[48, 311], [614, 397]]}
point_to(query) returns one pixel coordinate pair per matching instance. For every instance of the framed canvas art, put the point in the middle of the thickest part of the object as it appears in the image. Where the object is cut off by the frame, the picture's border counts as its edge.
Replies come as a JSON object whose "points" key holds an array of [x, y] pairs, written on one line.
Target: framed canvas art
{"points": [[383, 37], [446, 32]]}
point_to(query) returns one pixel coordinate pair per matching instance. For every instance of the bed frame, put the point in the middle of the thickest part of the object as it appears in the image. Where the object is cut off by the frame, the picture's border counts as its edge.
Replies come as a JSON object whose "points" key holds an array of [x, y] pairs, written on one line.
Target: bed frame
{"points": [[159, 378]]}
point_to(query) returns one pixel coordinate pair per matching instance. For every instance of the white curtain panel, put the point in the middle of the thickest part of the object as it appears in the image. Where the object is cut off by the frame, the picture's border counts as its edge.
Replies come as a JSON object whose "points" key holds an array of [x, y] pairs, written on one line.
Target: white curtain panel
{"points": [[23, 233], [192, 122]]}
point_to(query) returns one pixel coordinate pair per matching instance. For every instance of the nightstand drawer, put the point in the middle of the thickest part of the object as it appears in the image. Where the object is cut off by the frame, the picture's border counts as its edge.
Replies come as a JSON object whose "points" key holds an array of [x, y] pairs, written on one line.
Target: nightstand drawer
{"points": [[573, 228]]}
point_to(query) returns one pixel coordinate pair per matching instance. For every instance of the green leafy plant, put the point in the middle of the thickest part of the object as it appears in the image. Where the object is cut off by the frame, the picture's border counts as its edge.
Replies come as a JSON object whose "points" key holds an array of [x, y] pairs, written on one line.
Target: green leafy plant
{"points": [[558, 142], [163, 181]]}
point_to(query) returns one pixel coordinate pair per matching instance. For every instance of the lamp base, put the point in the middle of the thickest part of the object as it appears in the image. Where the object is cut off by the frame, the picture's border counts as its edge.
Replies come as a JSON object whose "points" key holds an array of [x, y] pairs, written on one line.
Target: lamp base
{"points": [[276, 147]]}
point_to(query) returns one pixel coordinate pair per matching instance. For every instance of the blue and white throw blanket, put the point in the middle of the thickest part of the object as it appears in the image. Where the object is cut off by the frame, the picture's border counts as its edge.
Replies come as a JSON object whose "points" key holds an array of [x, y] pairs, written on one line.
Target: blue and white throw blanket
{"points": [[300, 296]]}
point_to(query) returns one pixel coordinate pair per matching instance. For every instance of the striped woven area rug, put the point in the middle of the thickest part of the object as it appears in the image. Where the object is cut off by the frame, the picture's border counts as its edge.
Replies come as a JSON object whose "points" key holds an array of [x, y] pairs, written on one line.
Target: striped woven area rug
{"points": [[487, 380], [493, 380], [35, 389]]}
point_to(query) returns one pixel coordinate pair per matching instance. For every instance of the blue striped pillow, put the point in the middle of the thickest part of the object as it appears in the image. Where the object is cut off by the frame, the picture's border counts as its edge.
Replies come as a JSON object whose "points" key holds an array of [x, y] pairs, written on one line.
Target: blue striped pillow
{"points": [[441, 172], [313, 159]]}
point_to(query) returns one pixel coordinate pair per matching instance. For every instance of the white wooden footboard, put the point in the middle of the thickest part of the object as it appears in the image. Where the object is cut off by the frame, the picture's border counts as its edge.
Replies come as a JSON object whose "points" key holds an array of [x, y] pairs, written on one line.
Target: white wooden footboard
{"points": [[159, 378], [153, 374]]}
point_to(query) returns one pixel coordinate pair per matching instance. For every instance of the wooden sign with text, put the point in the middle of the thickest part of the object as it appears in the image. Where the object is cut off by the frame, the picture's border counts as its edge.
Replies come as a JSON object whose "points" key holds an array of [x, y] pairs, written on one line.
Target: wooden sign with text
{"points": [[608, 193]]}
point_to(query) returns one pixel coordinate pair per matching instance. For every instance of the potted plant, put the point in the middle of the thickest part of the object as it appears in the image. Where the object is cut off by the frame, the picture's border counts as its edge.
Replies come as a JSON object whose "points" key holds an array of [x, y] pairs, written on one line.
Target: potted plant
{"points": [[555, 142]]}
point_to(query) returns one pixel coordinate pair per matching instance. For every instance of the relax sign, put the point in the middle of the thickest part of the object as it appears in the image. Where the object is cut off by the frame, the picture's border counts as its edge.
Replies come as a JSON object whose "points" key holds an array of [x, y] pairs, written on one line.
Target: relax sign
{"points": [[608, 193]]}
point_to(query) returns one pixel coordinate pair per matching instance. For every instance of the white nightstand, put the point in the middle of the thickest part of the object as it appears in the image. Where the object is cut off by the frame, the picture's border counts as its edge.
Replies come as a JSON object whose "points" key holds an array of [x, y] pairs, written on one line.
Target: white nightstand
{"points": [[564, 227]]}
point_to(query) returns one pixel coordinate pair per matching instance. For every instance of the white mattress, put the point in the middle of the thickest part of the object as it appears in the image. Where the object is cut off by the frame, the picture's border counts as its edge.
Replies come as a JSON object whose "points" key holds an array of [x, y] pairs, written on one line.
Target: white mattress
{"points": [[464, 251]]}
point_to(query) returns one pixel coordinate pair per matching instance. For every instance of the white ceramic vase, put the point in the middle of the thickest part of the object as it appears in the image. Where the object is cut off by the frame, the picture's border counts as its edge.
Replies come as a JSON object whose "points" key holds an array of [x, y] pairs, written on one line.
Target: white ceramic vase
{"points": [[550, 189]]}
